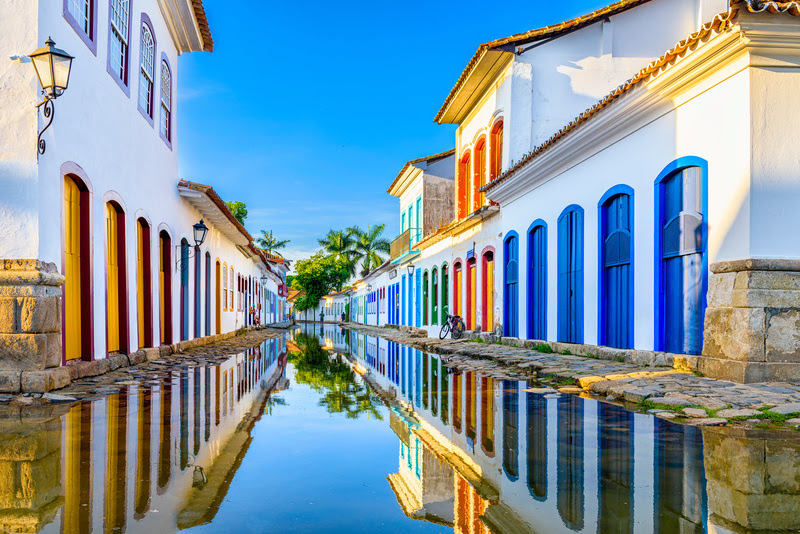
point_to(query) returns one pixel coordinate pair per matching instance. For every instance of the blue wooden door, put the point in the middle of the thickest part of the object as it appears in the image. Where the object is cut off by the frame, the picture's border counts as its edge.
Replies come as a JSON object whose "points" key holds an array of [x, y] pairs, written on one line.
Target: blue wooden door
{"points": [[570, 276], [683, 247], [616, 291], [537, 283], [511, 290], [403, 300]]}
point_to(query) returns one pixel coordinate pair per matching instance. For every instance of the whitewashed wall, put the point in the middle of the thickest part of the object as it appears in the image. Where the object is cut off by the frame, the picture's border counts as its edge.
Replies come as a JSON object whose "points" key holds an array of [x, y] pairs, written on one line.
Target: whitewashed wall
{"points": [[98, 127]]}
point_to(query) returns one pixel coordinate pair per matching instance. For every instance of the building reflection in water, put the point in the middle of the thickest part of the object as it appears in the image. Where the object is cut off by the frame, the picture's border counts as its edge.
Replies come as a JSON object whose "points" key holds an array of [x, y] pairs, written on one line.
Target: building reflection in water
{"points": [[569, 464], [107, 465]]}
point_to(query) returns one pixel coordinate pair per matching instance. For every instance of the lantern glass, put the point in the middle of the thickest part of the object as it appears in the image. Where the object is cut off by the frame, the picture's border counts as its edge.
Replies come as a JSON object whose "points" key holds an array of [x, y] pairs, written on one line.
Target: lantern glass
{"points": [[410, 269], [200, 231], [52, 67]]}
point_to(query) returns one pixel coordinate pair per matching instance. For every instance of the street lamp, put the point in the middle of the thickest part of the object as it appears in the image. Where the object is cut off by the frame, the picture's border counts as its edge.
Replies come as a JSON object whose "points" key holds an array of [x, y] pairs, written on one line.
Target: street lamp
{"points": [[52, 66], [200, 231], [410, 269]]}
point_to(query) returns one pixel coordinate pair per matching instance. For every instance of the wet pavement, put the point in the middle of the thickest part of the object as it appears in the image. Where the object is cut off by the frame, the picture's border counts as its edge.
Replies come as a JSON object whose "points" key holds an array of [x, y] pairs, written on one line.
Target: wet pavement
{"points": [[336, 431], [670, 390]]}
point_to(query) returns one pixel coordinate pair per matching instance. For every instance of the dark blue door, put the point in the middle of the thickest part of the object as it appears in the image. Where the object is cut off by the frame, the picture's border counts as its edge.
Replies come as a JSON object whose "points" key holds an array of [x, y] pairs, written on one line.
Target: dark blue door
{"points": [[537, 283], [511, 291], [403, 299], [683, 246], [616, 292], [570, 276]]}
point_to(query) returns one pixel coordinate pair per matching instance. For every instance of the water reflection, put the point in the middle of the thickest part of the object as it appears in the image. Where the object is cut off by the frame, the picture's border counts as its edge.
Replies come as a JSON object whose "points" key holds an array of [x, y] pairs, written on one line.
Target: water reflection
{"points": [[133, 458], [586, 466], [461, 451]]}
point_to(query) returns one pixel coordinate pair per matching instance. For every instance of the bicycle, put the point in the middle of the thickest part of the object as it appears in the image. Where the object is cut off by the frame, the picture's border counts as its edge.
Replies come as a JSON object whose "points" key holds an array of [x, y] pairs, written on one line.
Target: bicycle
{"points": [[452, 325]]}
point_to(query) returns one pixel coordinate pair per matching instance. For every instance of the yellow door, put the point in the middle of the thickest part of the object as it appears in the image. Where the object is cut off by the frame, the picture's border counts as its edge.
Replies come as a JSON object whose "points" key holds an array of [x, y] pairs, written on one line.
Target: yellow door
{"points": [[72, 269], [112, 279], [473, 294], [488, 299], [140, 280]]}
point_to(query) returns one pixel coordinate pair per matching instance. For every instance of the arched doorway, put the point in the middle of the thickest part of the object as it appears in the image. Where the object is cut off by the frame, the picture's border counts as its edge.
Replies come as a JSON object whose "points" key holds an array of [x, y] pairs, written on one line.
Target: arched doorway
{"points": [[681, 210], [184, 289], [487, 290], [218, 308], [116, 280], [165, 286], [77, 293], [144, 283], [472, 293], [570, 275], [616, 273], [511, 286]]}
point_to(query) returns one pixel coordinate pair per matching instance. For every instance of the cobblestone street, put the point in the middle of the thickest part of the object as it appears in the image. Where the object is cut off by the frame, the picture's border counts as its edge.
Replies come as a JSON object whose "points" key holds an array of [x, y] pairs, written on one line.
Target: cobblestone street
{"points": [[149, 373], [665, 392]]}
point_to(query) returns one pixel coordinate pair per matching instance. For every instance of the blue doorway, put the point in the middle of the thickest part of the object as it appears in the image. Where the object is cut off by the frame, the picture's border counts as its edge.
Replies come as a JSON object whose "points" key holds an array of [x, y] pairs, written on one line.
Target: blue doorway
{"points": [[403, 300], [511, 285], [616, 268], [537, 280], [682, 236], [570, 275]]}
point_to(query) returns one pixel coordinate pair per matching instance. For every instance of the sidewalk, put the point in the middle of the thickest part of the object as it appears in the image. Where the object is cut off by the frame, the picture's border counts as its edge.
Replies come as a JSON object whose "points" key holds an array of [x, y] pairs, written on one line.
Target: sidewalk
{"points": [[663, 391]]}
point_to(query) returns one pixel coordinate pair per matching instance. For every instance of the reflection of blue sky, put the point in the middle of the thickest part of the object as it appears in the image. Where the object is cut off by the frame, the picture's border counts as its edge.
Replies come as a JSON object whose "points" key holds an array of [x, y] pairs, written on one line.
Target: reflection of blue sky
{"points": [[307, 110], [307, 470]]}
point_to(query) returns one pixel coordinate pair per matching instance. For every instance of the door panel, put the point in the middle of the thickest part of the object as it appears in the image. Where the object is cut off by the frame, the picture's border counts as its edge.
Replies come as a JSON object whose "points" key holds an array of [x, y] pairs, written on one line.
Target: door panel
{"points": [[73, 326]]}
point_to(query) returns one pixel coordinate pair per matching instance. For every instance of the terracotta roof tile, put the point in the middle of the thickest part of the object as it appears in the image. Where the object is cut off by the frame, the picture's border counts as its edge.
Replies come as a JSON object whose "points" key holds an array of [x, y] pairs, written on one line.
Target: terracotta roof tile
{"points": [[215, 198], [408, 164], [202, 22], [547, 32], [719, 24]]}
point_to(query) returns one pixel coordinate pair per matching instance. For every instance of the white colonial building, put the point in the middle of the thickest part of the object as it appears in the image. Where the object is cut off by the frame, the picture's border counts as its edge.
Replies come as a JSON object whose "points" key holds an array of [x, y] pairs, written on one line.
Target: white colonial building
{"points": [[99, 247]]}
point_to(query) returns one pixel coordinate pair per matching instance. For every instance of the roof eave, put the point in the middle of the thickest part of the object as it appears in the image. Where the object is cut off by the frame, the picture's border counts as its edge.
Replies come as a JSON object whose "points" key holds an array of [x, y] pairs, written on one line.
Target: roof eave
{"points": [[489, 64], [187, 24]]}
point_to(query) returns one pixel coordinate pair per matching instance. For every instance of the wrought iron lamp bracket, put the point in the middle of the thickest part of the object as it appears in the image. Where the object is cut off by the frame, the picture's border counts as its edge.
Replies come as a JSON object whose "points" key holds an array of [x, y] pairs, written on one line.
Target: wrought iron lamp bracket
{"points": [[49, 112]]}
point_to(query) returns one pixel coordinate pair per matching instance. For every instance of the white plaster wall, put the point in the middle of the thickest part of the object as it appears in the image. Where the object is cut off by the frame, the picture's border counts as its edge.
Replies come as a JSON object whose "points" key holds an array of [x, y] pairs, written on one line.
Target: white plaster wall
{"points": [[571, 73], [98, 127], [775, 165], [19, 183], [637, 160]]}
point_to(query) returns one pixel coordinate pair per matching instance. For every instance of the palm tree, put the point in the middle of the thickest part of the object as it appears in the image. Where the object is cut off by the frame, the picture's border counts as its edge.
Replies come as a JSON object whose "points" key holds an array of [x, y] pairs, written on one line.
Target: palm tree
{"points": [[270, 244], [341, 246], [368, 245]]}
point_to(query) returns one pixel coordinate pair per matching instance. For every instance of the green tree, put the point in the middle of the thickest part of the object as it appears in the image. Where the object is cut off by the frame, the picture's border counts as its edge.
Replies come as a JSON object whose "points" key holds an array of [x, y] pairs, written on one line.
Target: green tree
{"points": [[368, 246], [317, 276], [270, 243], [341, 246], [238, 208], [332, 377]]}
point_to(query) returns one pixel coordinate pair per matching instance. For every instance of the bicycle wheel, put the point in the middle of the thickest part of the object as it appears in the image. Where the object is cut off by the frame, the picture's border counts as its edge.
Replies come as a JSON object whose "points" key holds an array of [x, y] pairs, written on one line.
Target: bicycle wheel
{"points": [[458, 329], [444, 331]]}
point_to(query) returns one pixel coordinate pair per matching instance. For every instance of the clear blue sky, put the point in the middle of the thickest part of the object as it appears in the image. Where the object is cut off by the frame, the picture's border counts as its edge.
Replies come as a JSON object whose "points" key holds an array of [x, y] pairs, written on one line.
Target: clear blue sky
{"points": [[307, 111]]}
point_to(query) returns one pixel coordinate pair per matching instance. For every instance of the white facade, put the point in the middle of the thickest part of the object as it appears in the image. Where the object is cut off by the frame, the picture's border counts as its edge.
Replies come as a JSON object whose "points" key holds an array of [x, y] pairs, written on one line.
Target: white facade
{"points": [[104, 140]]}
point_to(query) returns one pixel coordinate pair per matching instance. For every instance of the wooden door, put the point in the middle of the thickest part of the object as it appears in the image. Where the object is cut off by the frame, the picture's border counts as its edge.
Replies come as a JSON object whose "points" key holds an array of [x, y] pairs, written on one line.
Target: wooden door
{"points": [[112, 279], [73, 261]]}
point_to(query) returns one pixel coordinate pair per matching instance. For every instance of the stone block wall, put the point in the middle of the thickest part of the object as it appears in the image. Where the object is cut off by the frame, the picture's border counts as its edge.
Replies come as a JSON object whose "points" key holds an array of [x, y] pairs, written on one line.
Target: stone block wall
{"points": [[752, 322], [30, 322]]}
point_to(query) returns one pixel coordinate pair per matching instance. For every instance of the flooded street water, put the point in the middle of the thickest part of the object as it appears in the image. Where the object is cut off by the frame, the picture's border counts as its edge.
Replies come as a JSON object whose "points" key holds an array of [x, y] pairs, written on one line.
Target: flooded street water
{"points": [[333, 431]]}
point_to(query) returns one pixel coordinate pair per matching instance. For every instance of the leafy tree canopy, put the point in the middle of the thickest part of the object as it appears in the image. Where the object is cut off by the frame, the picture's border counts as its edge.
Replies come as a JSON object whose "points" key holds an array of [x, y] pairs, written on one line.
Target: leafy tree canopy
{"points": [[317, 276], [239, 210], [270, 243]]}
